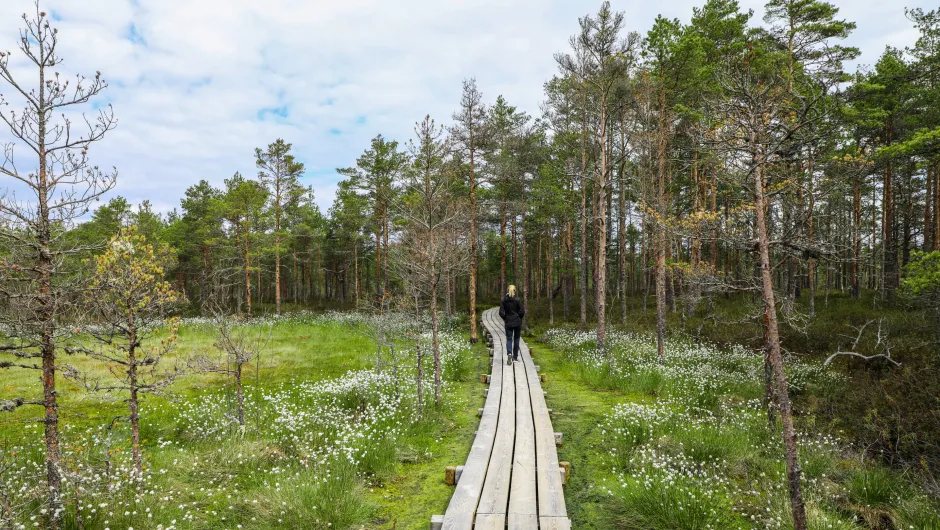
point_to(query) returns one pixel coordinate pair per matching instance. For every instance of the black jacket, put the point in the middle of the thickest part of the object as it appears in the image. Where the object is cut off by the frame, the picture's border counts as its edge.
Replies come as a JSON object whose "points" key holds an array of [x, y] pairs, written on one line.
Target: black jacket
{"points": [[512, 311]]}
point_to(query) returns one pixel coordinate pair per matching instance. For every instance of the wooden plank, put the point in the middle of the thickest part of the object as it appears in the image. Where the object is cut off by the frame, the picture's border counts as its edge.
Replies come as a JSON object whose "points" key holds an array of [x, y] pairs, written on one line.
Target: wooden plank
{"points": [[497, 330], [522, 496], [463, 503], [523, 522], [495, 496], [551, 497], [511, 475], [491, 521], [554, 523]]}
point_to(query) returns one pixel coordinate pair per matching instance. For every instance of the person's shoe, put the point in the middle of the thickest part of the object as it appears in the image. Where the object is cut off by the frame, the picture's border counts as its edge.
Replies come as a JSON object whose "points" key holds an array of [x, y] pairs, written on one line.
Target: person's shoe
{"points": [[508, 360]]}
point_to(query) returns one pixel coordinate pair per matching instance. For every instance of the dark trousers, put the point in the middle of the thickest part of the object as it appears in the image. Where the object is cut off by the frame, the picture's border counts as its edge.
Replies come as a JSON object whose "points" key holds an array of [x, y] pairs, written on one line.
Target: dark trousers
{"points": [[512, 340]]}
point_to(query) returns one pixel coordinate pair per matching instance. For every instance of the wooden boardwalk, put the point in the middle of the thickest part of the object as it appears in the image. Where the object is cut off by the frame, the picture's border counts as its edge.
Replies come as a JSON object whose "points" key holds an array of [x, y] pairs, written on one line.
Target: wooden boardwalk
{"points": [[512, 478]]}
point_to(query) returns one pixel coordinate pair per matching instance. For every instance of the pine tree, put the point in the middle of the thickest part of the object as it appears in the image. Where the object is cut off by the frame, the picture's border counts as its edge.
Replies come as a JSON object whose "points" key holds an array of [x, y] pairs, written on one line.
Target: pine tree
{"points": [[469, 135], [375, 174], [242, 206], [280, 172]]}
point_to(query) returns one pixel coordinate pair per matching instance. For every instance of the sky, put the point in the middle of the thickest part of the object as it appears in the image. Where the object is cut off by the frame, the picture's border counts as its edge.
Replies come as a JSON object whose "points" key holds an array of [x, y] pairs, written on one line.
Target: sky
{"points": [[197, 85]]}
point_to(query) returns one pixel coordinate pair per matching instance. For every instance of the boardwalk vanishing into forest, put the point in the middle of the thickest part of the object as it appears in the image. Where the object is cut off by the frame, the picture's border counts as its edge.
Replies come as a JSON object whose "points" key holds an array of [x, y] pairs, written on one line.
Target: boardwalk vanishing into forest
{"points": [[512, 477]]}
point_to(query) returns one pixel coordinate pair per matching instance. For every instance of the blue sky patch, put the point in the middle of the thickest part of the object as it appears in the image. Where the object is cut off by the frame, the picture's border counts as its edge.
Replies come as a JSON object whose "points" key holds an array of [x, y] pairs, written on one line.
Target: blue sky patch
{"points": [[100, 102], [199, 83], [134, 36], [273, 112]]}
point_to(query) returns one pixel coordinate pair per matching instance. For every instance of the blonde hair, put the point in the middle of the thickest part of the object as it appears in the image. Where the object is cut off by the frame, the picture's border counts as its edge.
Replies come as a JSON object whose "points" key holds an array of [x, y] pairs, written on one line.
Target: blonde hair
{"points": [[512, 290]]}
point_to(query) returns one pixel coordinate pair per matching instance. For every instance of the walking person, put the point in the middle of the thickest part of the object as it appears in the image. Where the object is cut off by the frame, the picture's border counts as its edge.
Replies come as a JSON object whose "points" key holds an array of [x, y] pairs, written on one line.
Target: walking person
{"points": [[512, 312]]}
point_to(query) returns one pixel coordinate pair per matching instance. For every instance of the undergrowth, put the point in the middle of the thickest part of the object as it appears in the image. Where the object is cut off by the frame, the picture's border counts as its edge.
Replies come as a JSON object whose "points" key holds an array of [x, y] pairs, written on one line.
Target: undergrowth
{"points": [[689, 446]]}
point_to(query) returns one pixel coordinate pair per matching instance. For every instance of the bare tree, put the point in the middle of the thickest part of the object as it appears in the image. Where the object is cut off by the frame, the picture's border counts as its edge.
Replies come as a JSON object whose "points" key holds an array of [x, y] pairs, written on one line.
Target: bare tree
{"points": [[241, 347], [433, 245], [56, 185], [410, 305]]}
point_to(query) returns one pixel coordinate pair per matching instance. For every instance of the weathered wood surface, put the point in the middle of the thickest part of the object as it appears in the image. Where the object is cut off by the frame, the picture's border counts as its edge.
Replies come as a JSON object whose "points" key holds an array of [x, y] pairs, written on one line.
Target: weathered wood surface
{"points": [[554, 523], [496, 487], [523, 506], [551, 496], [511, 478], [463, 504]]}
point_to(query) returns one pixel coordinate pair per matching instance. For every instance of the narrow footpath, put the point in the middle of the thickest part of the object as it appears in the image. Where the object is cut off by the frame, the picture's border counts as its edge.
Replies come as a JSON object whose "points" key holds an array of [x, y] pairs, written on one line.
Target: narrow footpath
{"points": [[512, 477]]}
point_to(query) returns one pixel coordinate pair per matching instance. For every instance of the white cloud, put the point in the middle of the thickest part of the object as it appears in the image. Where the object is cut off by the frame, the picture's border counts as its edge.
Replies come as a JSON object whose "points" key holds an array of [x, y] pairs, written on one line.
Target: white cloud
{"points": [[198, 84]]}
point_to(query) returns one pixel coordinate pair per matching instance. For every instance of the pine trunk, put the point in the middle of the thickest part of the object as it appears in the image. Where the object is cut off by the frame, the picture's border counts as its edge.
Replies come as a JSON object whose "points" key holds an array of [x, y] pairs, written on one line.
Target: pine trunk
{"points": [[132, 403], [502, 246], [928, 219], [936, 206], [435, 345], [622, 223], [46, 314], [277, 275], [775, 357], [584, 250], [247, 258], [549, 291], [856, 235], [473, 248], [661, 232], [887, 227]]}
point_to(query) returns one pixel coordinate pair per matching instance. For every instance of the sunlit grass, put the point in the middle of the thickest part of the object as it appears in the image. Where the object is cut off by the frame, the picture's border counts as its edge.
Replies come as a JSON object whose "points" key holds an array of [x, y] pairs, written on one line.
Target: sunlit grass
{"points": [[324, 432]]}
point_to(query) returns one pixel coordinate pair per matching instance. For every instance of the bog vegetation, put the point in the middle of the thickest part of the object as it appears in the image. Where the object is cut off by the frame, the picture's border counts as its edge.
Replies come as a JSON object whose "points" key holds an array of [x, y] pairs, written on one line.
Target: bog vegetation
{"points": [[749, 229]]}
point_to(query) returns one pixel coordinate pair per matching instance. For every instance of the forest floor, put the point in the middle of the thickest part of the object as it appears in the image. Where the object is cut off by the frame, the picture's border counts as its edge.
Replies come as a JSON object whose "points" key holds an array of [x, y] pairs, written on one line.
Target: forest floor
{"points": [[329, 443]]}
